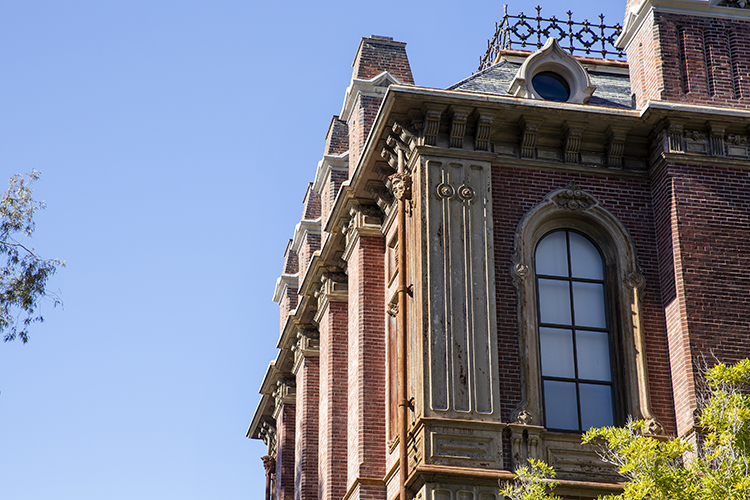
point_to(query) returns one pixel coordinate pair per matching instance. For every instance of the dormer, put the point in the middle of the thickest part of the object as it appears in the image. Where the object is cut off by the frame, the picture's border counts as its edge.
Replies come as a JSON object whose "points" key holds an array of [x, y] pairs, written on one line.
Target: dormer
{"points": [[552, 74]]}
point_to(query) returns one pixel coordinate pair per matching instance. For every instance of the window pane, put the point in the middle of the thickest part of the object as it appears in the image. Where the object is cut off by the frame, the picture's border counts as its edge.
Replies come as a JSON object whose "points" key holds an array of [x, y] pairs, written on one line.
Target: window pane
{"points": [[554, 302], [560, 408], [593, 355], [585, 261], [588, 299], [596, 406], [557, 352], [552, 255]]}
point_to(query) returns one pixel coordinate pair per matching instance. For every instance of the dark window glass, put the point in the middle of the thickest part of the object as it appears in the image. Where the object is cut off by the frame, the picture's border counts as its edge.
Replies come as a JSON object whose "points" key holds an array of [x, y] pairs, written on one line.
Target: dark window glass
{"points": [[551, 86], [574, 336]]}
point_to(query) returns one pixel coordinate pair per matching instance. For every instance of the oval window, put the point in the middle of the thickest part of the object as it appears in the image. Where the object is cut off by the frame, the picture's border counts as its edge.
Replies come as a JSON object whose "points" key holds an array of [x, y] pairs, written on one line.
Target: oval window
{"points": [[551, 86]]}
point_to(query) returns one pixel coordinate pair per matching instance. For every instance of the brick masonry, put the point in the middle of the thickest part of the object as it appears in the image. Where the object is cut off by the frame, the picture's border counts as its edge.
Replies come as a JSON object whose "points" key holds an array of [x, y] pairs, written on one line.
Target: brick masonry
{"points": [[366, 381], [306, 432], [333, 401], [689, 221]]}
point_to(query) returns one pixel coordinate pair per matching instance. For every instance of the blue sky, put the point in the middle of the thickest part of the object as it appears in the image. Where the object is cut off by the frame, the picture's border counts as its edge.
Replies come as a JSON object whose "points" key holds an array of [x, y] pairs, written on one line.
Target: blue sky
{"points": [[176, 141]]}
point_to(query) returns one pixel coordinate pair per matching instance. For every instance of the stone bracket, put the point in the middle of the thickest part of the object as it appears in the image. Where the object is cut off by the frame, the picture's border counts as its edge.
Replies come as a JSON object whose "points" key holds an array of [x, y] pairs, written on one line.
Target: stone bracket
{"points": [[459, 115], [432, 114], [616, 145], [529, 129], [573, 132]]}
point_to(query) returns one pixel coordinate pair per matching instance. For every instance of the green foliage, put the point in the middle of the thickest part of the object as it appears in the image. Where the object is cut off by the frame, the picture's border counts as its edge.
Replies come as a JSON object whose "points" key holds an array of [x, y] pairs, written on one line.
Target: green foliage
{"points": [[657, 468], [532, 482], [23, 276]]}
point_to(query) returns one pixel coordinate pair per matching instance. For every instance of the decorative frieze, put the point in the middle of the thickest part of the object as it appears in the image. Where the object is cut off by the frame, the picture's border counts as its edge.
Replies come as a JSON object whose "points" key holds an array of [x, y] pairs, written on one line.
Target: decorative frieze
{"points": [[459, 115], [675, 132], [737, 4], [529, 130], [736, 146], [716, 144], [572, 144], [695, 141]]}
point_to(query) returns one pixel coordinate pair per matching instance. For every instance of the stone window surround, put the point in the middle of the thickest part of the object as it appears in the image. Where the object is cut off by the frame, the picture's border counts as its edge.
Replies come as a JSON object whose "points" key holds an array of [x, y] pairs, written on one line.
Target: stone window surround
{"points": [[575, 209]]}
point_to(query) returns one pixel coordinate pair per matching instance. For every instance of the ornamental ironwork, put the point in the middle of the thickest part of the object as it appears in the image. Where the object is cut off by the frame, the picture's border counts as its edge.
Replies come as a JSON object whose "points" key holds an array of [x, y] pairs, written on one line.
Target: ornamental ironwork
{"points": [[524, 32]]}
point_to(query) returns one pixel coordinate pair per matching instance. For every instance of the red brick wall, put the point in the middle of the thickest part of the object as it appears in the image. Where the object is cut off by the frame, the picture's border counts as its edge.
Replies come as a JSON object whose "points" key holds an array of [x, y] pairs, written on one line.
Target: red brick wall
{"points": [[363, 114], [306, 446], [312, 205], [285, 424], [333, 401], [378, 55], [692, 59], [337, 139], [366, 438], [710, 226], [287, 304], [310, 245], [328, 193], [515, 192]]}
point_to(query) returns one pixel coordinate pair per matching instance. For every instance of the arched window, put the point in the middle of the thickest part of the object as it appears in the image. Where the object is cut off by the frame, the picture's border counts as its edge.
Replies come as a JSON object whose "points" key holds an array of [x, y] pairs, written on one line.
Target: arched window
{"points": [[579, 318], [574, 333]]}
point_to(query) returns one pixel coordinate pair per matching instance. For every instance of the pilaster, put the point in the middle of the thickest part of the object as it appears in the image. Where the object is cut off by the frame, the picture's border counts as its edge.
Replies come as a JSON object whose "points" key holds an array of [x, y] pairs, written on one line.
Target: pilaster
{"points": [[285, 416], [365, 256], [306, 370], [331, 318]]}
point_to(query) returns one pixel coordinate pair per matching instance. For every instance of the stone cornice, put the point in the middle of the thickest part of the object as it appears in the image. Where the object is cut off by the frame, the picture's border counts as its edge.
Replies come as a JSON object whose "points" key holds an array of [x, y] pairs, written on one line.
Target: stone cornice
{"points": [[301, 229], [282, 283], [642, 11], [373, 86], [326, 165]]}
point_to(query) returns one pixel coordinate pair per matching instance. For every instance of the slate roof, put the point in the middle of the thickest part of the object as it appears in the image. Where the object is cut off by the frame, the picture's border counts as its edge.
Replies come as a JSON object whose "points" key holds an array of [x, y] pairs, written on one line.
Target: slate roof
{"points": [[612, 90]]}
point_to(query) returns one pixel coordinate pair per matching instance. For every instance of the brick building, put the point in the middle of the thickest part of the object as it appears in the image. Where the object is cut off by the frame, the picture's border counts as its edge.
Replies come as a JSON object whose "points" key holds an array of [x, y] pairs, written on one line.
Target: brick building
{"points": [[482, 272]]}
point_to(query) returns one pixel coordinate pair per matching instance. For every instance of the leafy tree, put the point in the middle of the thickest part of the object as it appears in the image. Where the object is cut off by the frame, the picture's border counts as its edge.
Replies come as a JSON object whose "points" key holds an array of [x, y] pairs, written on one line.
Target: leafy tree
{"points": [[23, 275], [532, 482], [672, 469]]}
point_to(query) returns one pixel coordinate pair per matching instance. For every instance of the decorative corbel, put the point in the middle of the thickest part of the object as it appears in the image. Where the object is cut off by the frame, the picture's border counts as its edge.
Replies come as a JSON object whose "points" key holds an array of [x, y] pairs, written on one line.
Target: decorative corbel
{"points": [[432, 114], [573, 132], [529, 130], [406, 137], [416, 118], [459, 115], [306, 346], [616, 145], [389, 156], [483, 130], [267, 434], [285, 394]]}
